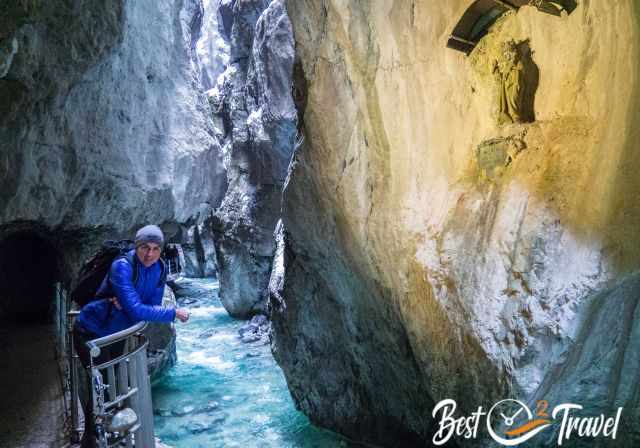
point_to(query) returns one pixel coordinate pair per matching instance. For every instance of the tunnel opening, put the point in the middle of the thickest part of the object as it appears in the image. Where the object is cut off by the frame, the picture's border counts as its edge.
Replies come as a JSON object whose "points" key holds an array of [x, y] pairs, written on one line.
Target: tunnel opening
{"points": [[29, 270], [31, 338]]}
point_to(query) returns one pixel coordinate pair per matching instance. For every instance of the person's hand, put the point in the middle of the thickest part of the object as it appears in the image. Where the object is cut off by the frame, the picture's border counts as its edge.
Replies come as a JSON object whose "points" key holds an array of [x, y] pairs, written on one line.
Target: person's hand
{"points": [[182, 314], [114, 301]]}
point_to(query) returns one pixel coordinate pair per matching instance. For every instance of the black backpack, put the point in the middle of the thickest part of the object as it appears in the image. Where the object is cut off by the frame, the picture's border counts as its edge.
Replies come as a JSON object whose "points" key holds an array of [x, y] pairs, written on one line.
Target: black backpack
{"points": [[97, 268]]}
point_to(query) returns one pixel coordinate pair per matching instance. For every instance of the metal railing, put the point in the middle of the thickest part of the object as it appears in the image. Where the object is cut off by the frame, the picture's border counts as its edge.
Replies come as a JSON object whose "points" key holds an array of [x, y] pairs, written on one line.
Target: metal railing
{"points": [[74, 362], [120, 391], [174, 260]]}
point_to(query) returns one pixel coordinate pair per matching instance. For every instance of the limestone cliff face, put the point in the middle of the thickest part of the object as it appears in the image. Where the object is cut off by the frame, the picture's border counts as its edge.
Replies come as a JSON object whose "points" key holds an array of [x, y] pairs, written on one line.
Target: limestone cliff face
{"points": [[212, 47], [257, 121], [103, 123], [199, 251], [428, 252]]}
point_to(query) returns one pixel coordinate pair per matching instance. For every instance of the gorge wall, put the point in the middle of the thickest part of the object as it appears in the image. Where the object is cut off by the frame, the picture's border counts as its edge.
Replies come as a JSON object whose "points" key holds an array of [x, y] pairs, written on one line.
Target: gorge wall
{"points": [[427, 249], [256, 121], [104, 125], [428, 252]]}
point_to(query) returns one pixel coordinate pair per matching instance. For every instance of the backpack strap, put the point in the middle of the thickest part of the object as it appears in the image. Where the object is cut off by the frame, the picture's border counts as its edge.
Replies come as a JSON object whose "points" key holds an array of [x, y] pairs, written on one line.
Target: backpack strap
{"points": [[163, 272], [134, 276], [134, 266]]}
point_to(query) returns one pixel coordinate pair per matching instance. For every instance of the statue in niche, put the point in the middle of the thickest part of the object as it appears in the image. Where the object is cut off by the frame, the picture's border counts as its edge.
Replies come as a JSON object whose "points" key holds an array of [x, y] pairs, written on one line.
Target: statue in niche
{"points": [[509, 72]]}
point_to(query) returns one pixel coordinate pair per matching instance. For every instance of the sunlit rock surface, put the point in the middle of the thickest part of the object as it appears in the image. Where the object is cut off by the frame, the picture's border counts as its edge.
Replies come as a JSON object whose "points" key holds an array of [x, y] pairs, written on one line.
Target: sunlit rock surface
{"points": [[212, 48], [255, 114], [411, 274]]}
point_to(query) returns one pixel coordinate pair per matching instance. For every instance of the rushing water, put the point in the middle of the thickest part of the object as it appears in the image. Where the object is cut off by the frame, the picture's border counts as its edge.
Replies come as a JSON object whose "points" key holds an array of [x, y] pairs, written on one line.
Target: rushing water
{"points": [[224, 392]]}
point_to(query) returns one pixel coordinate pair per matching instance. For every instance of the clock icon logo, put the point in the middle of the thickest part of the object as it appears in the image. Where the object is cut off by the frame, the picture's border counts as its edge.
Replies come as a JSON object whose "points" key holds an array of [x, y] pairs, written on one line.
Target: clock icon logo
{"points": [[510, 422]]}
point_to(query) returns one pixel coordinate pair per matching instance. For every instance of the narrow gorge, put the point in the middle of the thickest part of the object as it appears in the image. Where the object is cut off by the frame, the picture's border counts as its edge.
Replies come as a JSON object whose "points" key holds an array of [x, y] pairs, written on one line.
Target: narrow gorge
{"points": [[407, 201]]}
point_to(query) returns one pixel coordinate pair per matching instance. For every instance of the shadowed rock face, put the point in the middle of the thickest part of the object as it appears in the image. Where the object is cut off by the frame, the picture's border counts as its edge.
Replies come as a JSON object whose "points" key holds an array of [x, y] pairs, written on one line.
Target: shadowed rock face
{"points": [[253, 104], [199, 251], [601, 371], [404, 274], [161, 352], [104, 125]]}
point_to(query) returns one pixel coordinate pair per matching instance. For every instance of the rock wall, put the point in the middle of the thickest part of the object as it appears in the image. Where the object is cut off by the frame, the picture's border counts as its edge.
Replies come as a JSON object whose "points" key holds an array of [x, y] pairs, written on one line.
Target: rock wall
{"points": [[161, 352], [212, 47], [104, 125], [428, 252], [199, 250], [253, 105]]}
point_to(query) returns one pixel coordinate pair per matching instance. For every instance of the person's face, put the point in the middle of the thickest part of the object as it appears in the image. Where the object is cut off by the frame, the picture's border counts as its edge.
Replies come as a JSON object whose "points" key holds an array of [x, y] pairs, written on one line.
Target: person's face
{"points": [[148, 253]]}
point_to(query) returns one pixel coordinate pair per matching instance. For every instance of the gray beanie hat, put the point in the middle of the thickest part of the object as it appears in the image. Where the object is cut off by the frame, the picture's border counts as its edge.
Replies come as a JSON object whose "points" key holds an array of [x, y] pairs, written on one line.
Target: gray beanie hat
{"points": [[149, 234]]}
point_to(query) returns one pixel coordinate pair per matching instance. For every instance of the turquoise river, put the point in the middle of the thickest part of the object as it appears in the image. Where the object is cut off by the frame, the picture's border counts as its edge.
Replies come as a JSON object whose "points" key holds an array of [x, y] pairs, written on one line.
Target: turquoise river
{"points": [[224, 392]]}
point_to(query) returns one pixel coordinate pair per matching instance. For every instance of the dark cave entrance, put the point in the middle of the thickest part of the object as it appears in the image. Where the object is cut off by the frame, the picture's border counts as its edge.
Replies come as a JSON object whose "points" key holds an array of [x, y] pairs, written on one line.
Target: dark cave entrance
{"points": [[30, 341], [28, 273]]}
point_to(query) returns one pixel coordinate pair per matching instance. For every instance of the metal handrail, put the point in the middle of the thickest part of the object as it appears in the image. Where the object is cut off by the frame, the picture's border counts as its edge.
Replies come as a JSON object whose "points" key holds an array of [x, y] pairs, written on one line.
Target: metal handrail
{"points": [[115, 361], [73, 377], [130, 388], [95, 344]]}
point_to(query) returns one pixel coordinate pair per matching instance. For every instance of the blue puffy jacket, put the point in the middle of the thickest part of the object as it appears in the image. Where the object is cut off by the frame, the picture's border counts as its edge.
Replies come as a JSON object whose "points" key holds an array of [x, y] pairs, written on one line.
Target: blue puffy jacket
{"points": [[139, 302]]}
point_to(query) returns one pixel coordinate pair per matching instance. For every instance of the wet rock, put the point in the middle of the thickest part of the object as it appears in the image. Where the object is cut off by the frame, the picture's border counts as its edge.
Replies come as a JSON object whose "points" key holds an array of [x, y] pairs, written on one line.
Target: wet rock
{"points": [[210, 407], [198, 427], [187, 290], [248, 338], [199, 251], [217, 418], [182, 410], [255, 324], [253, 103], [161, 352], [257, 329], [162, 412]]}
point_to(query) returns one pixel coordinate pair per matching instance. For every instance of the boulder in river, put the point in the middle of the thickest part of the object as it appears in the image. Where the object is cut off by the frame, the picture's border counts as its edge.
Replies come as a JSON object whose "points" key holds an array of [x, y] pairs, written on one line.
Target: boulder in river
{"points": [[257, 329]]}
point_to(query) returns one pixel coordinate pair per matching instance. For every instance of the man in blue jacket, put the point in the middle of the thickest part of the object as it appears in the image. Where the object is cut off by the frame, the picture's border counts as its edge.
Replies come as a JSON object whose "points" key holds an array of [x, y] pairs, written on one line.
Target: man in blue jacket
{"points": [[128, 304]]}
